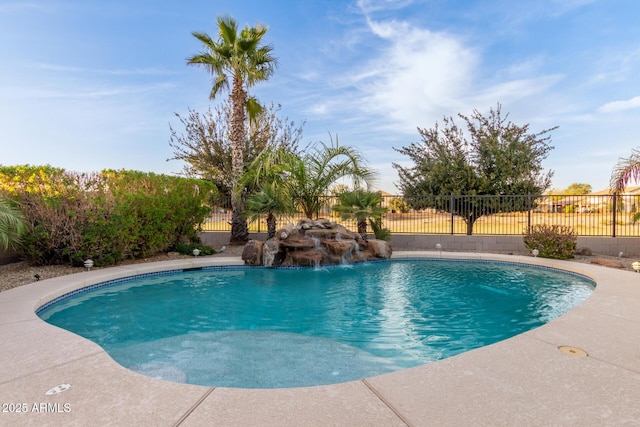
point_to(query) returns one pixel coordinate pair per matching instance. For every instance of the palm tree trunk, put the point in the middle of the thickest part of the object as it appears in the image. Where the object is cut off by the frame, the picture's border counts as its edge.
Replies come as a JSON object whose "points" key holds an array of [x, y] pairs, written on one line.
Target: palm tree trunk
{"points": [[362, 229], [239, 228], [271, 225]]}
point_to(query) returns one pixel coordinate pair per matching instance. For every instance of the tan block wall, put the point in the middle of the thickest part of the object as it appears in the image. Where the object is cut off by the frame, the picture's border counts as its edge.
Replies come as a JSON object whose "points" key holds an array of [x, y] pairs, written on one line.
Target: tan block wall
{"points": [[630, 246]]}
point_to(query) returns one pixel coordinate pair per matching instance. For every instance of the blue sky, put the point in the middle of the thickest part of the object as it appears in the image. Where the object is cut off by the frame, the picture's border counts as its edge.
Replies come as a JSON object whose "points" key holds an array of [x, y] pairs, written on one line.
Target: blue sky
{"points": [[88, 84]]}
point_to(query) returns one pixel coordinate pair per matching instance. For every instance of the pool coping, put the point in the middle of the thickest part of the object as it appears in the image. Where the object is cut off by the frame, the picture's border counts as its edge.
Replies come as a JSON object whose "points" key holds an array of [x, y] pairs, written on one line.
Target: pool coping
{"points": [[524, 380]]}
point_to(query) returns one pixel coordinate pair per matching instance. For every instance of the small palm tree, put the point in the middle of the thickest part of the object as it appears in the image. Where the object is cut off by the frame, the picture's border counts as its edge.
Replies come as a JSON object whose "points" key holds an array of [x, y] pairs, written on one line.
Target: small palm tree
{"points": [[362, 206], [300, 180], [236, 60], [312, 174], [12, 225], [268, 201], [266, 178], [625, 171]]}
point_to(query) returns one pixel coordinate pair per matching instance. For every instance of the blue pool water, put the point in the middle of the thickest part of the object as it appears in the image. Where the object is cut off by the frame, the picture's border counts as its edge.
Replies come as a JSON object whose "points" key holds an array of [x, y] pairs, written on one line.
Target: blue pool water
{"points": [[268, 328]]}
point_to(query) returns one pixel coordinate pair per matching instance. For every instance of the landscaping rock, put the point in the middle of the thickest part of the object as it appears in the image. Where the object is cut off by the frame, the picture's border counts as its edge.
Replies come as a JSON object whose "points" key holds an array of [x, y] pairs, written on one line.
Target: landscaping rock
{"points": [[584, 251], [607, 262], [316, 242], [379, 248], [252, 252], [271, 255], [310, 258]]}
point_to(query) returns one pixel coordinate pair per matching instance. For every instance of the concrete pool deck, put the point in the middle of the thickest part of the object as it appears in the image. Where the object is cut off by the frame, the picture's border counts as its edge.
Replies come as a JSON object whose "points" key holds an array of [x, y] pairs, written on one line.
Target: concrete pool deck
{"points": [[523, 381]]}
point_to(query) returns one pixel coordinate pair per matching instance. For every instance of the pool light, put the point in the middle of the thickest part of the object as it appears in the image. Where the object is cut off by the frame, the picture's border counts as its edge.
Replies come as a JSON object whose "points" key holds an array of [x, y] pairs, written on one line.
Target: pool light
{"points": [[636, 266]]}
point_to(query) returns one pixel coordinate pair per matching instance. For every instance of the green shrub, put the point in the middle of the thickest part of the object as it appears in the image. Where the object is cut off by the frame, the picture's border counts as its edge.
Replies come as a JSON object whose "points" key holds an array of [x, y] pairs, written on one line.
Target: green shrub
{"points": [[552, 241], [380, 232], [107, 216]]}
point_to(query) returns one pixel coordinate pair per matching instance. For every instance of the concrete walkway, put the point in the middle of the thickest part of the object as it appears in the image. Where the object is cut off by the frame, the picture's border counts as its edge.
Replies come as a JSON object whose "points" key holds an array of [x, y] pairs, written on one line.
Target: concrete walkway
{"points": [[522, 381]]}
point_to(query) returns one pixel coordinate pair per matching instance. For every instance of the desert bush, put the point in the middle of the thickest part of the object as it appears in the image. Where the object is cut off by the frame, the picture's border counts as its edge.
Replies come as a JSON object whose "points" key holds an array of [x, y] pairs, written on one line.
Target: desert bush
{"points": [[52, 207], [106, 216], [551, 241]]}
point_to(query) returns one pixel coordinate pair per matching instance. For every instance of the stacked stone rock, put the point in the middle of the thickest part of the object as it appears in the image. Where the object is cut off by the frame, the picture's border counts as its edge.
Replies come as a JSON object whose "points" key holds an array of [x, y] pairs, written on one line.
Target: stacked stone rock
{"points": [[314, 243]]}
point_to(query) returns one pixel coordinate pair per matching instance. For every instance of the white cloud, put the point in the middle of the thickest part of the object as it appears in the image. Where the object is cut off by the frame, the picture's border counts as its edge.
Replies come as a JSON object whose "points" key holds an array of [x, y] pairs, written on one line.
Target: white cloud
{"points": [[419, 73], [618, 106], [419, 76], [368, 6]]}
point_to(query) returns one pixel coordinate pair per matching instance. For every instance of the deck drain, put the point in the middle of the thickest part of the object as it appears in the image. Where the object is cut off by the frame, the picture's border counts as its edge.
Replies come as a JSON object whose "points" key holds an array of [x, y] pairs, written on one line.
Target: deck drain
{"points": [[572, 351], [58, 389]]}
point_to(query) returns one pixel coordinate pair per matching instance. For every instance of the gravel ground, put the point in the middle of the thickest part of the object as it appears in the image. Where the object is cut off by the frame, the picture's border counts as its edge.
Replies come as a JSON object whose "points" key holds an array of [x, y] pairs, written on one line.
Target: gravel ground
{"points": [[21, 273]]}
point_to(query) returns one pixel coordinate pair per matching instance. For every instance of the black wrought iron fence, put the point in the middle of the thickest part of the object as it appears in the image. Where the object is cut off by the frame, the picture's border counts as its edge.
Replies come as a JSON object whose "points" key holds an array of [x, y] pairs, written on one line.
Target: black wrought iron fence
{"points": [[587, 215]]}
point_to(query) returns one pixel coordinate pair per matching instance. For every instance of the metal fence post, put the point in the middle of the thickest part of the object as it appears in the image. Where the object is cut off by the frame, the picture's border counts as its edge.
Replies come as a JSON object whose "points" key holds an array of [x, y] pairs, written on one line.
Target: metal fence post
{"points": [[529, 213], [614, 214], [452, 210]]}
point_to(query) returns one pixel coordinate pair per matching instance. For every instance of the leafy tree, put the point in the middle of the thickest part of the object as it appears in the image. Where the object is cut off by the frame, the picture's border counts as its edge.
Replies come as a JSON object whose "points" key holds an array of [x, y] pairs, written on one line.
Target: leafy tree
{"points": [[12, 224], [494, 157], [237, 60], [362, 206], [625, 171], [205, 146], [338, 189], [399, 205], [577, 189]]}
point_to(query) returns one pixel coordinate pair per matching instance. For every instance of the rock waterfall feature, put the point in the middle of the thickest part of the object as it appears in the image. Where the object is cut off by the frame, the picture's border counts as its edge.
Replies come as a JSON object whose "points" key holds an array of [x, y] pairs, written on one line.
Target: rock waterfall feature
{"points": [[314, 243]]}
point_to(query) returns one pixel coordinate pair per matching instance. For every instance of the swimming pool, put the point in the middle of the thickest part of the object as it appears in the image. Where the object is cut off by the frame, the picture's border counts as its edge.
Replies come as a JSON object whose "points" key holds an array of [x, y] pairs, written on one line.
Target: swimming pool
{"points": [[266, 328]]}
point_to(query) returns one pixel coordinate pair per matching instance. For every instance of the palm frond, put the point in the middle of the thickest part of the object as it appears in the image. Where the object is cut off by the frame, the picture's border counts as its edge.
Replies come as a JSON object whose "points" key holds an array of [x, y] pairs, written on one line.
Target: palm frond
{"points": [[625, 171], [12, 224], [228, 30], [205, 39], [254, 109]]}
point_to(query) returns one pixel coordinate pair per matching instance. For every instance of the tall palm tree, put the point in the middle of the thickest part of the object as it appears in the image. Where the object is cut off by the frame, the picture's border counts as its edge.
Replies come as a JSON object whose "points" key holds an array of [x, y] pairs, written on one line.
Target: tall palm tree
{"points": [[237, 61], [12, 225], [625, 171]]}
